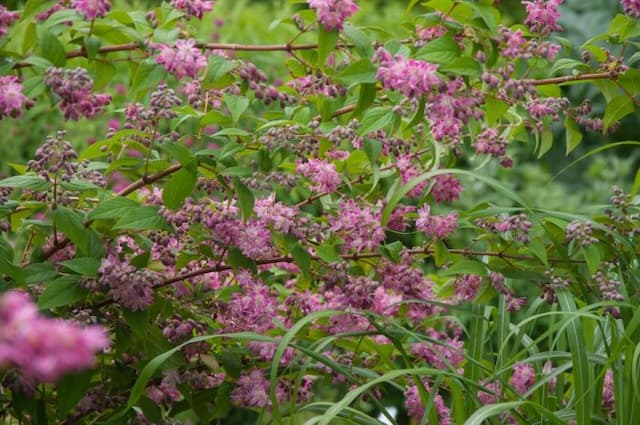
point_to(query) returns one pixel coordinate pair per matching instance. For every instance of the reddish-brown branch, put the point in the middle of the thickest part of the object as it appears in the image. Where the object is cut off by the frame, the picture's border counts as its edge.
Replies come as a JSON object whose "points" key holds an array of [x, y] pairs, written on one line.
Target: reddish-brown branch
{"points": [[351, 257], [124, 192], [569, 78]]}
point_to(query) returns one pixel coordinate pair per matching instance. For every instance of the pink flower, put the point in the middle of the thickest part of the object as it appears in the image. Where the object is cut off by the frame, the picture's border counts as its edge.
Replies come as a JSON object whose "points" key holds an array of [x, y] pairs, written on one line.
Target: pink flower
{"points": [[11, 97], [631, 7], [523, 378], [195, 8], [514, 41], [332, 13], [436, 226], [44, 348], [358, 225], [6, 19], [411, 77], [415, 407], [446, 188], [542, 16], [467, 286], [322, 173], [608, 391], [183, 60], [91, 9]]}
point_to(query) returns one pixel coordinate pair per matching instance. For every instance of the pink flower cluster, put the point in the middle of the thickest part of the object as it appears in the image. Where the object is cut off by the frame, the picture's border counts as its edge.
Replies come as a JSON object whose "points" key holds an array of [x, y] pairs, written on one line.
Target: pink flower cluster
{"points": [[446, 188], [74, 87], [411, 77], [44, 348], [415, 406], [523, 378], [193, 8], [91, 9], [359, 227], [11, 97], [183, 60], [333, 13], [542, 16], [436, 226], [631, 7], [323, 174], [6, 19]]}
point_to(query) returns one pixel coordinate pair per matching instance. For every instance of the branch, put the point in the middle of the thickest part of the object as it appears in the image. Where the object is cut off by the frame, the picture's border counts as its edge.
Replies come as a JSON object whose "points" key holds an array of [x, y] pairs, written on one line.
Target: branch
{"points": [[124, 192], [568, 78], [349, 257]]}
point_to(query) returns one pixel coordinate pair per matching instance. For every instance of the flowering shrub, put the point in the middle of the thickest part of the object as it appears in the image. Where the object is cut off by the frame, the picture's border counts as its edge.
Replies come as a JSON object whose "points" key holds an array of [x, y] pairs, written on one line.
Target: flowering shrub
{"points": [[243, 247]]}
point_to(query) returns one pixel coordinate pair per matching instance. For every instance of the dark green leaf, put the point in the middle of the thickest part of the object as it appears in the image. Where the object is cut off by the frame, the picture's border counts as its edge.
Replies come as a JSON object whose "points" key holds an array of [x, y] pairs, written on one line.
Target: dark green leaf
{"points": [[72, 225], [574, 135], [327, 252], [141, 218], [617, 108], [375, 119], [26, 182], [361, 71], [63, 291], [180, 185], [442, 50], [237, 105], [327, 40], [245, 198], [51, 48], [70, 390], [85, 266]]}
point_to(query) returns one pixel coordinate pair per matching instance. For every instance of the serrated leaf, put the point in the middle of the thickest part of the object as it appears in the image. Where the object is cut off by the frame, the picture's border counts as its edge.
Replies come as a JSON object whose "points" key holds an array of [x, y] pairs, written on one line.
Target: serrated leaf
{"points": [[34, 183], [141, 218], [180, 185], [237, 105], [464, 65], [51, 48], [466, 267], [327, 41], [442, 50], [245, 198], [63, 291], [361, 71], [86, 266], [72, 225], [327, 252], [375, 119], [618, 108], [112, 208], [574, 135]]}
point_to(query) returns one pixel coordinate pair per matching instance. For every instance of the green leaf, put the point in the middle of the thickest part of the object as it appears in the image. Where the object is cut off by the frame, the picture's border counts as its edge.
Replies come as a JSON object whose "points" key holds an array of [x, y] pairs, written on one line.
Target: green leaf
{"points": [[327, 41], [179, 152], [591, 255], [361, 71], [237, 171], [392, 251], [92, 46], [66, 290], [485, 412], [141, 218], [219, 66], [246, 199], [51, 48], [327, 252], [574, 135], [365, 98], [582, 373], [546, 141], [180, 185], [35, 183], [442, 50], [70, 390], [112, 209], [618, 108], [359, 38], [72, 225], [466, 267], [464, 65], [237, 105], [303, 260], [85, 266], [375, 119]]}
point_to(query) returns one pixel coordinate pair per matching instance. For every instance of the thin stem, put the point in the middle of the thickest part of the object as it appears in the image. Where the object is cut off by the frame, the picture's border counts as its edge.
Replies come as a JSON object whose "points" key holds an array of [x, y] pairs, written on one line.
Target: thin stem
{"points": [[609, 75]]}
